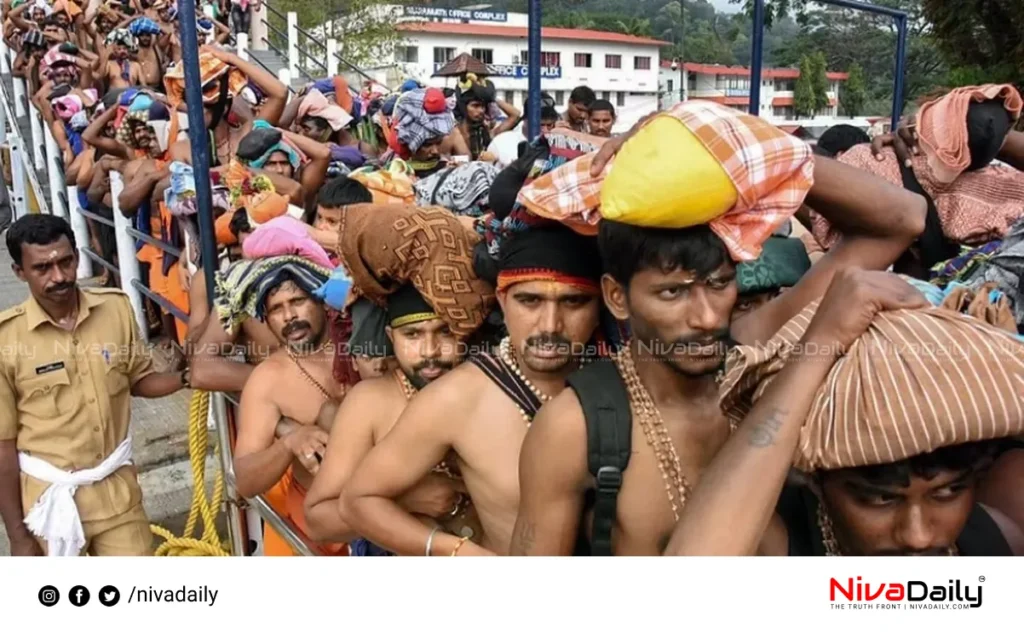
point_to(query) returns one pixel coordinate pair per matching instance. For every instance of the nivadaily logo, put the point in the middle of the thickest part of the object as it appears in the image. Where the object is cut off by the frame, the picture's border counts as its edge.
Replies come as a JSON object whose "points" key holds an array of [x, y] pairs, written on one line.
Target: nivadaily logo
{"points": [[911, 594]]}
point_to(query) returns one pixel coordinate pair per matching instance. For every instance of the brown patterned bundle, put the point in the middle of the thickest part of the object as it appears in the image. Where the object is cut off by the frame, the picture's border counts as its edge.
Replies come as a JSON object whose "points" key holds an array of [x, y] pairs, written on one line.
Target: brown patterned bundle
{"points": [[916, 381], [387, 246]]}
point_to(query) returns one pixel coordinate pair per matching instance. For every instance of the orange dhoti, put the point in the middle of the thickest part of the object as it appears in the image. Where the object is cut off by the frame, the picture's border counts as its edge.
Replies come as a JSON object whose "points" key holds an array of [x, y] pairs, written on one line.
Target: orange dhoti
{"points": [[287, 498]]}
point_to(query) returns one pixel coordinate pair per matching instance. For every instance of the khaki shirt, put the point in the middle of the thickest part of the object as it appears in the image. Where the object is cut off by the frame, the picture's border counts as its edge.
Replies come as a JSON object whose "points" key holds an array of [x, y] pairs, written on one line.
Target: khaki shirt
{"points": [[65, 396]]}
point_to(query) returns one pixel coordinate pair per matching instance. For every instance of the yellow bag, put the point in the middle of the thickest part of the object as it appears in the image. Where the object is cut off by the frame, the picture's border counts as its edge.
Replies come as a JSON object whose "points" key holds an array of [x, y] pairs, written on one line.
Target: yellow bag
{"points": [[664, 177]]}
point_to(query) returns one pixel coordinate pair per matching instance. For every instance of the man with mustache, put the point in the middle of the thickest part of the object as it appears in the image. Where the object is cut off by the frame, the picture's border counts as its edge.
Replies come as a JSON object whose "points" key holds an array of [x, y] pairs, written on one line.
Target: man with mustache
{"points": [[295, 382], [73, 358], [426, 350], [151, 60], [676, 289], [547, 289]]}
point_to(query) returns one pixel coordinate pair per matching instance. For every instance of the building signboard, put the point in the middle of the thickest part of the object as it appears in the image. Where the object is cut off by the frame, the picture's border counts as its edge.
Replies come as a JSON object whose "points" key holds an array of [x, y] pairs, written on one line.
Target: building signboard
{"points": [[455, 14], [518, 71]]}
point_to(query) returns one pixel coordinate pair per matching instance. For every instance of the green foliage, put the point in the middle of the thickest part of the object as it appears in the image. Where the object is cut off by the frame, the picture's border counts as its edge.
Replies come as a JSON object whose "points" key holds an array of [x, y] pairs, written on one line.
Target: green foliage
{"points": [[854, 92], [365, 32], [981, 39], [819, 81], [804, 102]]}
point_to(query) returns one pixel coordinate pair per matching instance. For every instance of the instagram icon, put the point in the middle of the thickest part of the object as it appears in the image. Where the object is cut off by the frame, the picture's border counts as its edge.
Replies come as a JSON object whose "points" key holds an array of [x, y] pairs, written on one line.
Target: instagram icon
{"points": [[49, 596]]}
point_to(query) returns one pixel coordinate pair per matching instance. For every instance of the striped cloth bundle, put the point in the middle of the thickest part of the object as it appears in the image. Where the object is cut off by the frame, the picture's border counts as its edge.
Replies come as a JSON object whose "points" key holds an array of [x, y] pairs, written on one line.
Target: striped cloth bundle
{"points": [[916, 381]]}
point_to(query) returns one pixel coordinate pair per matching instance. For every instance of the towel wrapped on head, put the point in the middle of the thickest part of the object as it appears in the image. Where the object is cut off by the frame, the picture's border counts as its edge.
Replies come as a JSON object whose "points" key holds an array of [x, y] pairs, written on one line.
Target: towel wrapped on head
{"points": [[386, 246], [916, 381], [256, 147], [144, 26], [243, 286], [420, 116]]}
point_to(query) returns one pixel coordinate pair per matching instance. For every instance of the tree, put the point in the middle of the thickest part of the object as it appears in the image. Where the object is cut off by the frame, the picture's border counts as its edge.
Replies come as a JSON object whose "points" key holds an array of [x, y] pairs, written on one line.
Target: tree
{"points": [[365, 29], [819, 81], [804, 102], [981, 39], [854, 92]]}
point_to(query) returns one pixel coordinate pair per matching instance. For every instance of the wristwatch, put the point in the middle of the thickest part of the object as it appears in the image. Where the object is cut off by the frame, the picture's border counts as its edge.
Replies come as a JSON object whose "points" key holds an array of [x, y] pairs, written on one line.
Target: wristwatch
{"points": [[186, 378]]}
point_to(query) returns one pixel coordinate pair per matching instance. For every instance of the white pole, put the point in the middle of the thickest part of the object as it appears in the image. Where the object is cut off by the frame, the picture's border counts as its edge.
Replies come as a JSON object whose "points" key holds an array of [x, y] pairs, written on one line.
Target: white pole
{"points": [[19, 97], [54, 169], [293, 43], [81, 230], [332, 57], [19, 202], [258, 28], [284, 76], [243, 46], [38, 141], [5, 63], [127, 260], [3, 122]]}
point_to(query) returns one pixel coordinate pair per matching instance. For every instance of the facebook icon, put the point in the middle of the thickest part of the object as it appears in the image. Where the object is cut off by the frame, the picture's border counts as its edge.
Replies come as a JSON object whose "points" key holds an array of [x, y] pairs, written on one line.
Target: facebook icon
{"points": [[79, 596]]}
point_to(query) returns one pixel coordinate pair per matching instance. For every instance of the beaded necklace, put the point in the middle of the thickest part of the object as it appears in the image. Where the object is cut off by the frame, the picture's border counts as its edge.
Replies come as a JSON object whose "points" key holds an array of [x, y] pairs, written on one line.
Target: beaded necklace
{"points": [[309, 378], [655, 431], [506, 356], [828, 535]]}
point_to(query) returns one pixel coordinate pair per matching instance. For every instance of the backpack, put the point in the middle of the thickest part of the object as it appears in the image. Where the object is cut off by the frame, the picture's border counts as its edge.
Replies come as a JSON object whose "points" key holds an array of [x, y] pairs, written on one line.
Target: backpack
{"points": [[606, 409]]}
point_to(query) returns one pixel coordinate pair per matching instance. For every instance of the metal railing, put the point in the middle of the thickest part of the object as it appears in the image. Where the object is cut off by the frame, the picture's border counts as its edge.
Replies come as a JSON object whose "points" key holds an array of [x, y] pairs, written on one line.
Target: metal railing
{"points": [[38, 153]]}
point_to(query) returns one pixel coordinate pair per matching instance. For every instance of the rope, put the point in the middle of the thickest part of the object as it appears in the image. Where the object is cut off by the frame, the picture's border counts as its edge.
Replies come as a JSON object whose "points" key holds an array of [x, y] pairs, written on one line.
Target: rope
{"points": [[202, 506]]}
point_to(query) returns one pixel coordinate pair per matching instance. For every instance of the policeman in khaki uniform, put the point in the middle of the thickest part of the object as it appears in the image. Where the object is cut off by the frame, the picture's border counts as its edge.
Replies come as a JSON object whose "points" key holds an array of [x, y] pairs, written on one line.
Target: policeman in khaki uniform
{"points": [[70, 361]]}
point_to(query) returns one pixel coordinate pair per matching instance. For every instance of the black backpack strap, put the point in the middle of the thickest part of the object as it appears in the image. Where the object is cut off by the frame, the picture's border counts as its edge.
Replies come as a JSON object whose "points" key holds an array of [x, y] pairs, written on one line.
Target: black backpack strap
{"points": [[934, 246], [605, 402]]}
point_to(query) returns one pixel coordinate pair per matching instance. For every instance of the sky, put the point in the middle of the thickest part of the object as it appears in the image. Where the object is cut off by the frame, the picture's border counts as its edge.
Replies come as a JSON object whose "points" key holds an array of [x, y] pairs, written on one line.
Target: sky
{"points": [[725, 6]]}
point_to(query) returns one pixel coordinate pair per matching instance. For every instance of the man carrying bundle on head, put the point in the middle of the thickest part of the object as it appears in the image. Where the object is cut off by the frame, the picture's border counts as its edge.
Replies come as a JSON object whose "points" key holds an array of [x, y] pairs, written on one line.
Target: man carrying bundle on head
{"points": [[548, 291], [421, 131], [909, 405], [473, 99], [426, 350], [295, 382], [670, 269]]}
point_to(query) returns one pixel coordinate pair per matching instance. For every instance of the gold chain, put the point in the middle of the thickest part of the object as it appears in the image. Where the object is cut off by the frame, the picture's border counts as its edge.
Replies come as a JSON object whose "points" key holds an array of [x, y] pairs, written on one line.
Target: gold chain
{"points": [[831, 543], [655, 431], [408, 388], [309, 378]]}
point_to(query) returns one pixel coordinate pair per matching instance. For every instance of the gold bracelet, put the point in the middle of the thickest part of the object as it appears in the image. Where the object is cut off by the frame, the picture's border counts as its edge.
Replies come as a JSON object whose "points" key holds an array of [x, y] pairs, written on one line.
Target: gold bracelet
{"points": [[461, 542]]}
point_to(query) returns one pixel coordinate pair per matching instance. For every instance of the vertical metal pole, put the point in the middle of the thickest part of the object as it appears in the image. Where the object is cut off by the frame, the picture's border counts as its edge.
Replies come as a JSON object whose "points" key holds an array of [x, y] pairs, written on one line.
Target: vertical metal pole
{"points": [[127, 259], [54, 169], [36, 127], [332, 57], [19, 184], [198, 140], [3, 119], [208, 246], [19, 98], [756, 46], [901, 58], [293, 43], [243, 45], [533, 44], [81, 230]]}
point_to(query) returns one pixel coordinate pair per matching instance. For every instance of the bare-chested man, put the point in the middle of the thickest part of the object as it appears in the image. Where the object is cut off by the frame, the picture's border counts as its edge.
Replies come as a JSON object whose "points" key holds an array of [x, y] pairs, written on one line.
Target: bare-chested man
{"points": [[152, 61], [547, 289], [295, 382], [677, 288], [115, 64], [426, 350]]}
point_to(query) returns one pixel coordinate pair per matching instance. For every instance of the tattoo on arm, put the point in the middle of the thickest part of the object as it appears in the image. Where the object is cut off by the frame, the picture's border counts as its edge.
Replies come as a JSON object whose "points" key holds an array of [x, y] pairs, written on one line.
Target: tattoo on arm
{"points": [[762, 435], [522, 543]]}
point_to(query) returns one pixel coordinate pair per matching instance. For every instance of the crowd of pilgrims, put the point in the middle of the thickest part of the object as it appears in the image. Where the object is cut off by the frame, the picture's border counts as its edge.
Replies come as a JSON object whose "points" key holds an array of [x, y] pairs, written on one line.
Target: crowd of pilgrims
{"points": [[701, 336]]}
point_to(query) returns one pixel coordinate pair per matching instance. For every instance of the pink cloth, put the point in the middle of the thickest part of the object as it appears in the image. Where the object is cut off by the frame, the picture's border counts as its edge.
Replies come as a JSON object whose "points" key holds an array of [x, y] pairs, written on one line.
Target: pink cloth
{"points": [[284, 235], [942, 127], [316, 104]]}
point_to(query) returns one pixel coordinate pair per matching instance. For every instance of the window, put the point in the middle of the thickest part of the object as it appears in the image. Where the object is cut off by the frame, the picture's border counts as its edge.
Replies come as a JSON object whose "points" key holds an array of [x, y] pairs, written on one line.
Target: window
{"points": [[785, 85], [607, 96], [620, 99], [583, 60], [641, 63], [407, 54], [550, 59], [613, 61], [559, 97], [510, 97], [485, 55], [524, 58], [443, 55], [671, 87]]}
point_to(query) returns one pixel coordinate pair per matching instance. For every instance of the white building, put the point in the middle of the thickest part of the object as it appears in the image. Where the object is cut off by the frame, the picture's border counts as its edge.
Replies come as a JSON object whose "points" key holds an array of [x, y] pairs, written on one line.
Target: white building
{"points": [[730, 85], [622, 69]]}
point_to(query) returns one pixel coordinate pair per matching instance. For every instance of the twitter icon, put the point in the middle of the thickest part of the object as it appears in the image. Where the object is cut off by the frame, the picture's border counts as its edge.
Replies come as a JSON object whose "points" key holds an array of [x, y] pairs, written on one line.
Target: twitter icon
{"points": [[109, 596]]}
